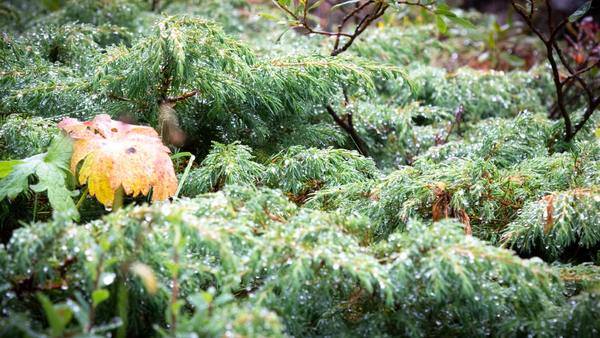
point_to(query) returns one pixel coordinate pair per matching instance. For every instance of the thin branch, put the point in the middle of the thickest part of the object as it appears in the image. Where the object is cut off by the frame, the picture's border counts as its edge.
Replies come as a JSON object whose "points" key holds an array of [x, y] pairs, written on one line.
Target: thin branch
{"points": [[350, 15], [555, 73], [378, 9], [182, 96], [360, 28], [348, 126], [562, 85], [586, 116], [528, 21], [581, 71], [417, 3], [574, 75]]}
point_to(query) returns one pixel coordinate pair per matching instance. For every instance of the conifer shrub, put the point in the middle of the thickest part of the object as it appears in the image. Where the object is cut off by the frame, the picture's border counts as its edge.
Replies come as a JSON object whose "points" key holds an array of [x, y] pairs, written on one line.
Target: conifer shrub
{"points": [[225, 164], [22, 136], [257, 250], [557, 222], [112, 12], [485, 183], [366, 183], [397, 136], [482, 94], [300, 172]]}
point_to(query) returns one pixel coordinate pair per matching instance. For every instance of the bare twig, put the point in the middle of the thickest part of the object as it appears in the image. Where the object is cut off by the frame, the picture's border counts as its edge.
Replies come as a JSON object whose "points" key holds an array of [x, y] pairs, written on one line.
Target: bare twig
{"points": [[562, 85], [347, 125]]}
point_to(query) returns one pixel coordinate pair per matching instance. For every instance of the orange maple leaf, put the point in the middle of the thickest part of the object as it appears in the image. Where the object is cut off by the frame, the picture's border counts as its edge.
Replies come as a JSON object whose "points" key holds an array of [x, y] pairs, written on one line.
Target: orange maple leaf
{"points": [[117, 154]]}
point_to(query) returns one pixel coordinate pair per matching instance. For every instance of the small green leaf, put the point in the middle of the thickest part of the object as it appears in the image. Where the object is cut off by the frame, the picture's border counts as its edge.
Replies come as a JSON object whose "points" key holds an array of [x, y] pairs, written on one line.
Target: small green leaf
{"points": [[453, 17], [441, 24], [7, 166], [444, 12], [267, 16], [51, 169], [284, 3], [443, 7], [491, 40], [461, 21], [580, 12], [58, 316], [17, 180], [98, 296]]}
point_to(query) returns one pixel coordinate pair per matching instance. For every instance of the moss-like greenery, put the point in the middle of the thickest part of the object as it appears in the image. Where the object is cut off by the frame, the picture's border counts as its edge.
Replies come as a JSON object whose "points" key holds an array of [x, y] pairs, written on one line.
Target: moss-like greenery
{"points": [[391, 190]]}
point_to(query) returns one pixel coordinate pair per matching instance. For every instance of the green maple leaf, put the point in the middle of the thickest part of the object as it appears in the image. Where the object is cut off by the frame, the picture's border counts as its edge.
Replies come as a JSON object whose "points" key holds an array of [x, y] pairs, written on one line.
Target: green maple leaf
{"points": [[52, 171]]}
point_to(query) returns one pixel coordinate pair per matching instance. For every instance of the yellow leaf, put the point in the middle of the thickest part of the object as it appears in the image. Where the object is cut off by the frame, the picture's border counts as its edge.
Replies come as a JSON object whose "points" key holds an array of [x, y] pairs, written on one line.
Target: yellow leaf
{"points": [[117, 154]]}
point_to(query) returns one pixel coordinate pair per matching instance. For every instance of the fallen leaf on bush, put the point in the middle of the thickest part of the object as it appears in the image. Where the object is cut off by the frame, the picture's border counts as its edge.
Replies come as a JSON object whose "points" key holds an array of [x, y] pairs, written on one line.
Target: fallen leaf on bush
{"points": [[117, 154]]}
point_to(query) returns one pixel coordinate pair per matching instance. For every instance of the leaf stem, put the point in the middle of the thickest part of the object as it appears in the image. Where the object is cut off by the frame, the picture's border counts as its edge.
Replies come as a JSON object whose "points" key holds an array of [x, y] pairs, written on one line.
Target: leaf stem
{"points": [[185, 172], [118, 202], [35, 206], [82, 198]]}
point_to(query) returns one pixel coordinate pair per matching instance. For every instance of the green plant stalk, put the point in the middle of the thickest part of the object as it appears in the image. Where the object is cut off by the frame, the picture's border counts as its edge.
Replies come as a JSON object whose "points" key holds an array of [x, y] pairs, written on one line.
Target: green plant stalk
{"points": [[35, 206], [185, 172], [82, 198], [122, 306], [118, 202]]}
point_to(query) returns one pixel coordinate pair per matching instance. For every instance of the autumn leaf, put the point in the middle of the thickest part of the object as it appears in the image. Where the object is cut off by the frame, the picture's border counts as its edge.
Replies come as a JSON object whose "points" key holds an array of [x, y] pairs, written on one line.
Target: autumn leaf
{"points": [[117, 154], [441, 205]]}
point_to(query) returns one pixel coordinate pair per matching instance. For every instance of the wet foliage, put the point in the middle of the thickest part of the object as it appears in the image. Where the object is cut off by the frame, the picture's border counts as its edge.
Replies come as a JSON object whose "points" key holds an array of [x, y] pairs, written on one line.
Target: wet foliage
{"points": [[417, 184]]}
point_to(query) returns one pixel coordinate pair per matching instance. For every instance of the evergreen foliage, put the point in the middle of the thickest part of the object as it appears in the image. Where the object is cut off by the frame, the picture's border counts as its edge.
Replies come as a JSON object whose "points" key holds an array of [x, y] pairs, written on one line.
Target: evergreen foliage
{"points": [[557, 222], [300, 171], [255, 247], [224, 164], [22, 136], [482, 94], [470, 216]]}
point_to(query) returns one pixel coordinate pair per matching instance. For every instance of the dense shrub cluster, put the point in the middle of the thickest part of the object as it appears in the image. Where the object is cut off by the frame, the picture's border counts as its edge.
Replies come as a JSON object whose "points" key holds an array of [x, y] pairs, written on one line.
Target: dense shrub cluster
{"points": [[471, 216], [255, 247]]}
